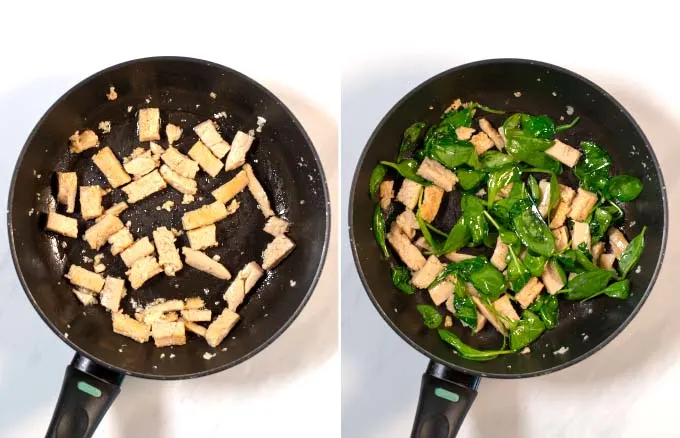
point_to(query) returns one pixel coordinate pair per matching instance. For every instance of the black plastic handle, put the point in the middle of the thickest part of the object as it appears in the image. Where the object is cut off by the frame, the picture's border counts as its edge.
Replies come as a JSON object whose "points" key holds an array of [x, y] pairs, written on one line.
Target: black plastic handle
{"points": [[445, 399], [86, 394]]}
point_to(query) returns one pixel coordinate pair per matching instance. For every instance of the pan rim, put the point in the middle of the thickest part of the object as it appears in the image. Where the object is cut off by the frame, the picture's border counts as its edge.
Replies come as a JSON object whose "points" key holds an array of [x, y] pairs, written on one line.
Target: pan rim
{"points": [[327, 218], [624, 323]]}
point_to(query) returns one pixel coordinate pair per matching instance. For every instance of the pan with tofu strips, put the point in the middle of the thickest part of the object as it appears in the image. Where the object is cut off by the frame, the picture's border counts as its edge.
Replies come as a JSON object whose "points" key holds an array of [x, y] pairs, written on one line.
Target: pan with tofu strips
{"points": [[168, 218], [508, 219]]}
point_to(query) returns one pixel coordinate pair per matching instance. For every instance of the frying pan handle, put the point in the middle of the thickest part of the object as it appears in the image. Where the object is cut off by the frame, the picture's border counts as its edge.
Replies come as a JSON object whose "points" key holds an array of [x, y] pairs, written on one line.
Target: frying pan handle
{"points": [[445, 398], [86, 394]]}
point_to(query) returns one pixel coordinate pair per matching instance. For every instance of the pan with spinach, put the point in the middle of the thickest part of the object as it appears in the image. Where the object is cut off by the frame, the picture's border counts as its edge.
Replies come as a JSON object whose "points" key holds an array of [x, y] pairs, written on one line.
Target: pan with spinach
{"points": [[536, 241]]}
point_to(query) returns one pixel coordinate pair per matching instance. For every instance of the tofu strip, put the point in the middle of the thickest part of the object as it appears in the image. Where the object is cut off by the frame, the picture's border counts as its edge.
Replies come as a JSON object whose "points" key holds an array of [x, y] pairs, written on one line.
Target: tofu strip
{"points": [[107, 162], [178, 182], [481, 142], [83, 141], [409, 193], [277, 250], [196, 315], [386, 194], [228, 190], [408, 253], [208, 162], [202, 238], [208, 134], [140, 163], [126, 326], [206, 215], [67, 183], [276, 226], [504, 307], [144, 187], [202, 262], [168, 255], [435, 172], [157, 312], [166, 334], [500, 254], [91, 202], [490, 316], [544, 205], [149, 124], [239, 148], [142, 270], [441, 292], [141, 248], [113, 291], [618, 242], [426, 275], [491, 132], [115, 210], [86, 279], [432, 199], [194, 328], [564, 153], [64, 225], [220, 327], [242, 284], [580, 234], [180, 163], [98, 234], [258, 192]]}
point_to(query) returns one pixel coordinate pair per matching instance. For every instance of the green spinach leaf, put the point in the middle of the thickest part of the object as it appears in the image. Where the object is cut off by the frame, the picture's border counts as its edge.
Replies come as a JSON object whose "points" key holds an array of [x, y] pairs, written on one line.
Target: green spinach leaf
{"points": [[473, 214], [534, 189], [548, 309], [586, 284], [593, 168], [377, 176], [538, 126], [494, 160], [624, 188], [469, 179], [431, 317], [407, 169], [499, 179], [599, 224], [535, 263], [569, 125], [465, 309], [531, 229], [531, 150], [632, 253], [379, 229], [488, 281], [619, 289], [410, 139], [467, 352], [529, 328], [455, 154], [518, 274], [401, 278]]}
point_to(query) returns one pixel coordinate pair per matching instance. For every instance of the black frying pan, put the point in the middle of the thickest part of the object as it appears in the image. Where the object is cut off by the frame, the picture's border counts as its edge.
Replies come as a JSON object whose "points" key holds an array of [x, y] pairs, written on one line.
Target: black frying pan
{"points": [[545, 89], [284, 160]]}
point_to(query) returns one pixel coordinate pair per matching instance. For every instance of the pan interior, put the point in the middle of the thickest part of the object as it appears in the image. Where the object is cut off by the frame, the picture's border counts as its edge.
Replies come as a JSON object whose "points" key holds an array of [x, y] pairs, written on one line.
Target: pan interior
{"points": [[282, 157], [536, 88]]}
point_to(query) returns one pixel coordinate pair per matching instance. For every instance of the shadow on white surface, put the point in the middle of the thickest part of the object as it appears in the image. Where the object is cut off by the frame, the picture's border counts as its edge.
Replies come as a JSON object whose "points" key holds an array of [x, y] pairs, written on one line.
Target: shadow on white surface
{"points": [[32, 365], [381, 373]]}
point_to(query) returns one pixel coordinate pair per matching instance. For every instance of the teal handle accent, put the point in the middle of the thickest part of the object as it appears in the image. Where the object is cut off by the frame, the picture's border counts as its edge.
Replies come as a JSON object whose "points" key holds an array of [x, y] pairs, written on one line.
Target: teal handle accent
{"points": [[446, 395], [89, 389]]}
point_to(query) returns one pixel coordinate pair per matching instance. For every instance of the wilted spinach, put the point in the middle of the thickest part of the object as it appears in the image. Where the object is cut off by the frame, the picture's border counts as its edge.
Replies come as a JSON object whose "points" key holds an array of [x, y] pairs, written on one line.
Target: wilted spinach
{"points": [[623, 188], [410, 139], [377, 176], [455, 154], [499, 179], [599, 224], [494, 160], [632, 253], [379, 229], [586, 284], [568, 125], [593, 168], [531, 229], [407, 169], [518, 274], [469, 179], [473, 214], [401, 278], [483, 275], [535, 263], [431, 317], [467, 352], [534, 189], [465, 309], [538, 126], [526, 331], [619, 289], [548, 309]]}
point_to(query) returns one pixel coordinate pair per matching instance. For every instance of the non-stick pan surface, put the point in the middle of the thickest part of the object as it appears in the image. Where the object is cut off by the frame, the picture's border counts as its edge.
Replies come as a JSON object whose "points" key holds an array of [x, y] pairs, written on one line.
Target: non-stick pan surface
{"points": [[537, 88], [283, 158]]}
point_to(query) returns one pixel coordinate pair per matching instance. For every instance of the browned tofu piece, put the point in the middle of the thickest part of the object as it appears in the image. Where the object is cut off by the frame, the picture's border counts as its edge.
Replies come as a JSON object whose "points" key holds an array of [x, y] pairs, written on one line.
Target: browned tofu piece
{"points": [[239, 148], [481, 142], [206, 215], [435, 172], [202, 238], [441, 292], [180, 163], [432, 199], [173, 133], [563, 206], [114, 290], [422, 244], [197, 315], [166, 334], [529, 292], [504, 307], [618, 242], [242, 284], [67, 183], [115, 210], [107, 162], [464, 133], [564, 153], [91, 201], [409, 193], [86, 297], [561, 238], [580, 233], [139, 249], [98, 234], [184, 185], [142, 270], [220, 327], [194, 328], [81, 277], [582, 204], [607, 261], [208, 162], [551, 279], [149, 124], [208, 134], [156, 150], [500, 254], [258, 192], [140, 162], [64, 225], [126, 326], [161, 312], [194, 303], [407, 252], [168, 255], [231, 188], [491, 132], [597, 250], [276, 226], [277, 250], [386, 193], [489, 315], [458, 257], [202, 262], [83, 141], [408, 223], [145, 186]]}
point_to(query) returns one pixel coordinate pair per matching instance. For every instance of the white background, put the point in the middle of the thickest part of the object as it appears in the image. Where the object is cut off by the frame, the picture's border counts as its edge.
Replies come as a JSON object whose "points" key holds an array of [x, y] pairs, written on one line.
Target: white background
{"points": [[629, 389], [292, 387]]}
